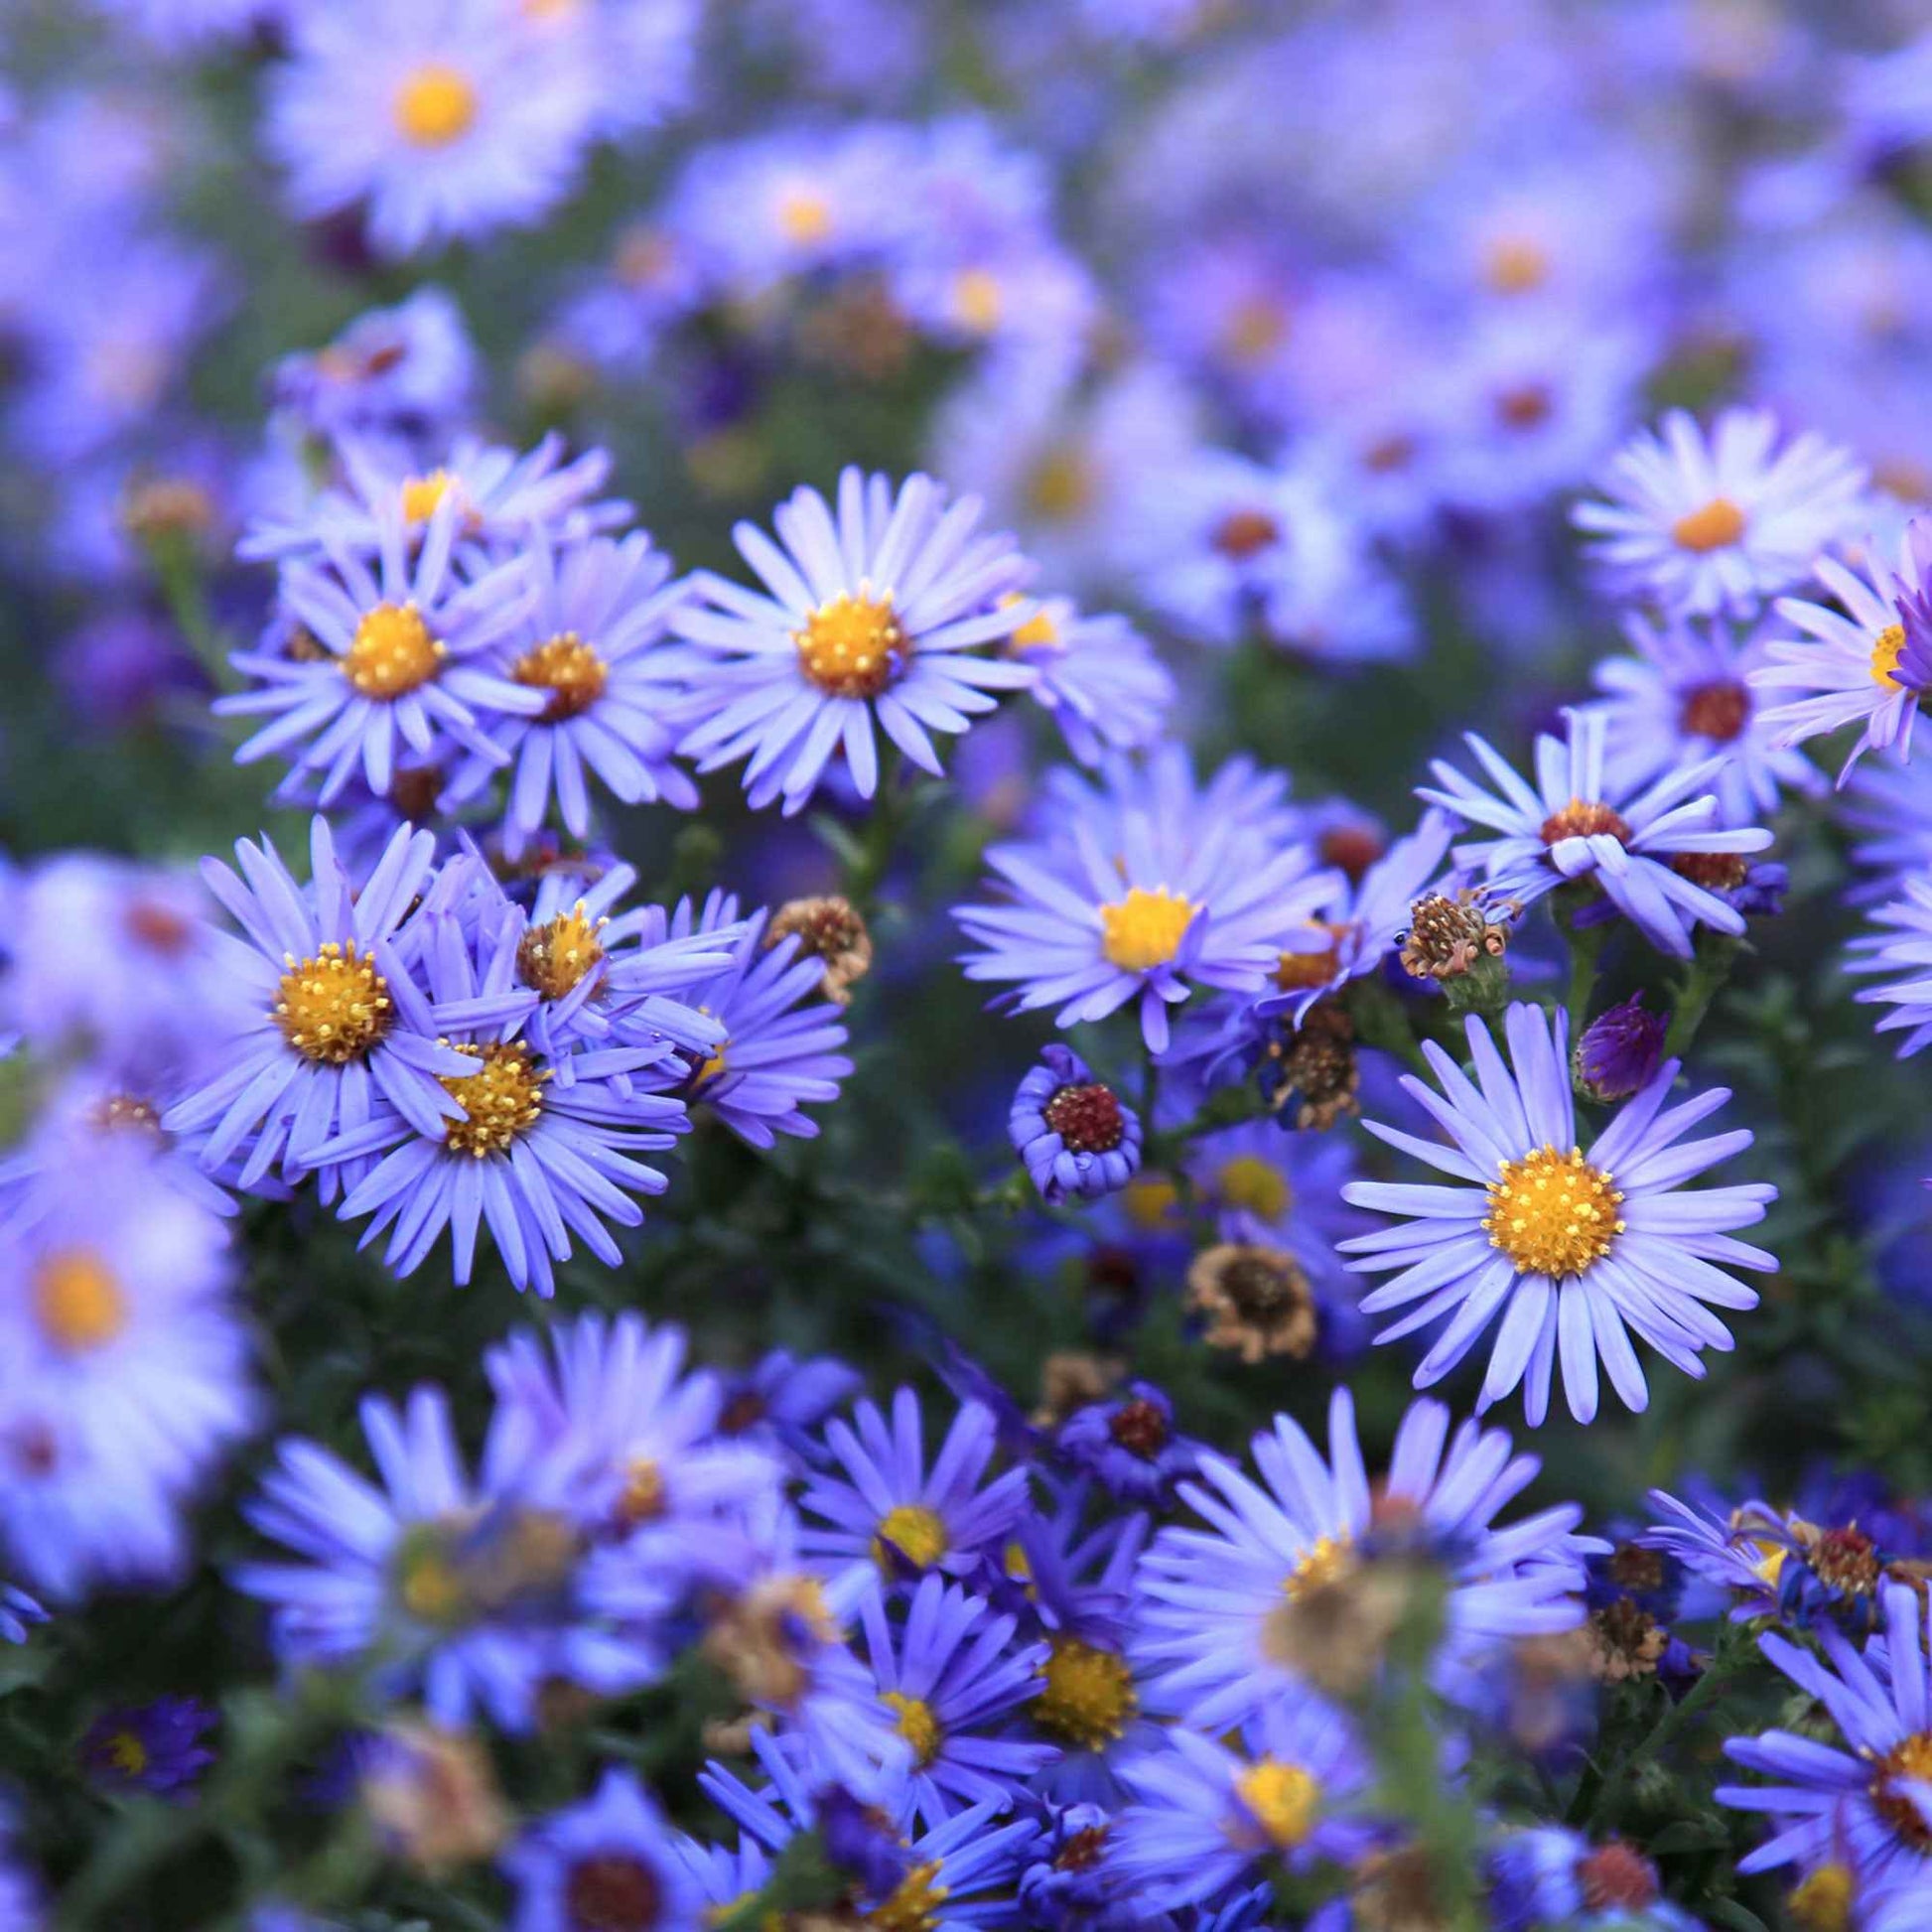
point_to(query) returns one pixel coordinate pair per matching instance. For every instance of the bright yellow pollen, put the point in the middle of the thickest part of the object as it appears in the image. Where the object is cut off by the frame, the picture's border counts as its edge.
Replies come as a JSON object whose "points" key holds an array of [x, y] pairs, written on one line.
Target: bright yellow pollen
{"points": [[1823, 1903], [1039, 632], [805, 215], [916, 1532], [852, 647], [1886, 649], [1283, 1799], [392, 652], [334, 1007], [1144, 929], [500, 1103], [436, 105], [915, 1723], [127, 1755], [552, 958], [569, 669], [978, 299], [643, 1495], [423, 495], [713, 1067], [76, 1301], [1090, 1694], [1516, 265], [1323, 1563], [1718, 524], [1248, 1181], [1553, 1213], [914, 1903], [1910, 1761]]}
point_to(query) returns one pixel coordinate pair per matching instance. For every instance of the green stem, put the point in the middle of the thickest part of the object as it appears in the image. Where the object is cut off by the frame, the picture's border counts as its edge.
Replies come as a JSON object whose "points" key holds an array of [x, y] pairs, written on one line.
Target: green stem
{"points": [[1711, 967], [1585, 949], [178, 571], [1722, 1668], [866, 864]]}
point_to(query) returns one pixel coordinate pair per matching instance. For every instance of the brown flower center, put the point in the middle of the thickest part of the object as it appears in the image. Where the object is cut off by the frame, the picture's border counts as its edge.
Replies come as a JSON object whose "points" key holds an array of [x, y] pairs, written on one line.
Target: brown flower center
{"points": [[1087, 1118], [569, 669], [1618, 1877], [1719, 709], [612, 1893], [1140, 1427], [1242, 535]]}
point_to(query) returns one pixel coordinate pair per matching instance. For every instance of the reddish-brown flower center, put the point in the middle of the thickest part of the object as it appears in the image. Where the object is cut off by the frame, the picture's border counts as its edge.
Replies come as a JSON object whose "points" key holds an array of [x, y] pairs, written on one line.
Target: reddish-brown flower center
{"points": [[1715, 872], [1719, 709], [1140, 1429], [1618, 1877], [1525, 405], [1581, 819], [612, 1893], [1087, 1118], [1242, 535]]}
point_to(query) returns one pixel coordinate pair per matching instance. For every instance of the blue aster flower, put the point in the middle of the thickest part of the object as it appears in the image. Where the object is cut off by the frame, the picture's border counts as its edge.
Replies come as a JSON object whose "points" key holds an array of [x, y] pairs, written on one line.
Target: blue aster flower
{"points": [[610, 1860], [472, 1592], [592, 644], [534, 1159], [780, 1400], [1211, 1597], [1887, 811], [887, 1512], [409, 371], [1129, 1446], [1638, 844], [953, 1677], [1075, 1134], [1570, 1249], [1867, 1798], [1098, 678], [1547, 1877], [1622, 1049], [1902, 952], [1210, 1818], [1742, 1551], [1122, 903], [155, 1747]]}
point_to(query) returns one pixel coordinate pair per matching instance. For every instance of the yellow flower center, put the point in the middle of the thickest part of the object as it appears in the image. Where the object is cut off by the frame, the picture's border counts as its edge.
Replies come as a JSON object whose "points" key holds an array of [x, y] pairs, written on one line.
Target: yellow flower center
{"points": [[428, 1586], [552, 958], [805, 215], [1282, 1800], [1248, 1181], [915, 1903], [643, 1496], [1301, 968], [501, 1101], [1144, 929], [916, 1532], [978, 299], [1553, 1213], [1886, 649], [1150, 1202], [1061, 487], [1039, 632], [436, 105], [127, 1755], [1516, 265], [78, 1301], [1908, 1761], [1090, 1694], [392, 652], [569, 669], [852, 647], [914, 1722], [423, 495], [1255, 329], [334, 1007], [1718, 523], [1326, 1561], [1823, 1903]]}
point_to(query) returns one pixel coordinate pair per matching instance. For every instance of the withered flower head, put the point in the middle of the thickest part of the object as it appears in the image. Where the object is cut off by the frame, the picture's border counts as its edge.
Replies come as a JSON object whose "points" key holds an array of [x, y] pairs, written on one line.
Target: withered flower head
{"points": [[829, 928], [1447, 936], [432, 1794], [1256, 1299], [1315, 1067]]}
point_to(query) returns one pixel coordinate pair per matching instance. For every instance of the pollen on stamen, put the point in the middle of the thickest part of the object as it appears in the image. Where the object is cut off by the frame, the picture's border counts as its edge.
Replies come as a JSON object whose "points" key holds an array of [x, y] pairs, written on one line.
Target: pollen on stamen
{"points": [[1553, 1213], [854, 646], [1714, 526], [436, 105], [392, 652], [1886, 649], [553, 958], [500, 1103], [334, 1007], [1144, 929]]}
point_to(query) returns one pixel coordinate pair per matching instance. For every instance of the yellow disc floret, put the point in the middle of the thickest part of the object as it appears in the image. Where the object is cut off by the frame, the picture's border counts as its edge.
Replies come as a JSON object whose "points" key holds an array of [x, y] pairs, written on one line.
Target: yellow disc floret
{"points": [[569, 669], [1716, 526], [1144, 929], [852, 647], [914, 1721], [436, 105], [77, 1301], [916, 1532], [500, 1103], [913, 1904], [552, 958], [1283, 1799], [1324, 1561], [1553, 1213], [1090, 1694], [1908, 1762], [334, 1007], [421, 495], [1886, 649], [392, 652]]}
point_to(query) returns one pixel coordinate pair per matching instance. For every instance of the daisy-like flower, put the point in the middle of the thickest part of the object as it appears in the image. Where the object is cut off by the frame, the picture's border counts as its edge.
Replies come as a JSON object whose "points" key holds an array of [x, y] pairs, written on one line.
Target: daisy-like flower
{"points": [[1742, 1550], [1098, 678], [872, 614], [1074, 1134], [1128, 904], [1209, 1818], [447, 120], [1656, 851], [781, 1038], [1903, 952], [1887, 808], [1219, 1603], [1867, 663], [327, 1018], [1867, 1799], [1129, 1444], [1687, 694], [467, 1591], [1551, 1877], [889, 1512], [154, 1747], [589, 645], [610, 1860], [1573, 1249], [534, 1159], [393, 654], [1702, 524], [951, 1676]]}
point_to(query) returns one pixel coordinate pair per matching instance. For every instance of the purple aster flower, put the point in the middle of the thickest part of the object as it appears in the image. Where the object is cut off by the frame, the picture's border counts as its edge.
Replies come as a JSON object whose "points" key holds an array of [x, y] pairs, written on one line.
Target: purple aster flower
{"points": [[1550, 1876], [155, 1747], [871, 616], [532, 1157], [1572, 1249], [1742, 1550], [951, 1676], [889, 1512], [323, 1013], [610, 1860], [1209, 1818], [409, 371], [1098, 678], [1126, 903], [1902, 951], [1887, 811], [397, 658], [1865, 657], [1076, 1135], [1719, 523], [780, 1400], [469, 1592], [1129, 1446], [1622, 1049], [1866, 1799], [1213, 1596], [1646, 848], [1070, 1886], [447, 121]]}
